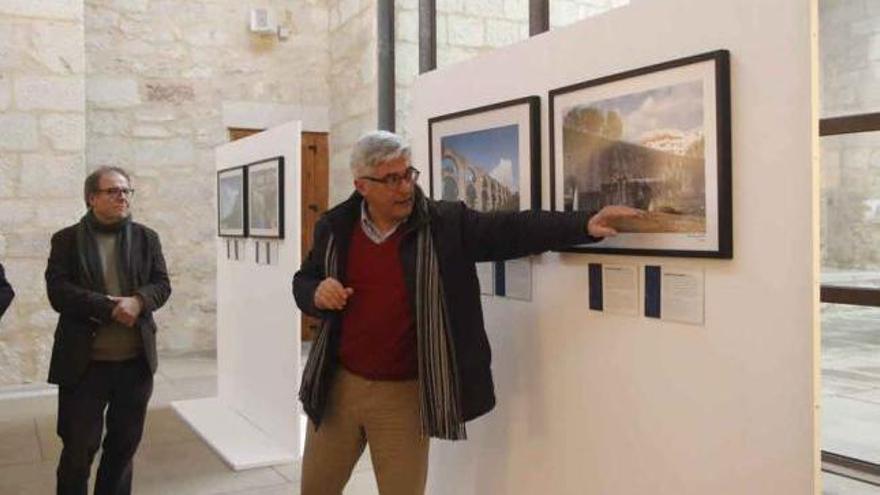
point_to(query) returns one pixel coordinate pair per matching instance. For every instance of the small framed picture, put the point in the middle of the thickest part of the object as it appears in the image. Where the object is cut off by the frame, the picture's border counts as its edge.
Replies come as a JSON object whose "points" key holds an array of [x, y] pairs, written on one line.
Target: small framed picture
{"points": [[232, 202], [490, 158], [265, 180]]}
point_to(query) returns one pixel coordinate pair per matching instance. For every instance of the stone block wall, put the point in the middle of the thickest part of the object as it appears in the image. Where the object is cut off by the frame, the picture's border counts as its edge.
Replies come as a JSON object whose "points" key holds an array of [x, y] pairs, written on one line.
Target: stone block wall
{"points": [[140, 84], [42, 122], [564, 12], [353, 86], [158, 73]]}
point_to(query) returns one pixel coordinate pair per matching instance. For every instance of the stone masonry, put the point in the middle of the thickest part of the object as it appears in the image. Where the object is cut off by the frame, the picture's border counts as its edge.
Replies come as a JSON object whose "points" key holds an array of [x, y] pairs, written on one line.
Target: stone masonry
{"points": [[145, 93], [158, 72], [353, 87], [42, 122]]}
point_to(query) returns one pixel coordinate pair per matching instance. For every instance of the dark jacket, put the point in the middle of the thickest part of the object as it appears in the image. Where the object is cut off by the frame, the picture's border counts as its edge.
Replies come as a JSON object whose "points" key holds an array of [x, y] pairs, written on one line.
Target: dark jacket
{"points": [[462, 237], [6, 293], [82, 310]]}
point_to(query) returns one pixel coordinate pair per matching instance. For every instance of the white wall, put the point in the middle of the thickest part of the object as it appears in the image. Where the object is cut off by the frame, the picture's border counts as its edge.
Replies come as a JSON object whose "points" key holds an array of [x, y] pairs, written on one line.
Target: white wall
{"points": [[593, 404], [258, 324]]}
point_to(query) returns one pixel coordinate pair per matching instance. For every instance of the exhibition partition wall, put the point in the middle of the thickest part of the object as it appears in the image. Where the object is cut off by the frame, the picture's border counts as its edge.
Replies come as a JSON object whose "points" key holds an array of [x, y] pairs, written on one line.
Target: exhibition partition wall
{"points": [[254, 420], [712, 389]]}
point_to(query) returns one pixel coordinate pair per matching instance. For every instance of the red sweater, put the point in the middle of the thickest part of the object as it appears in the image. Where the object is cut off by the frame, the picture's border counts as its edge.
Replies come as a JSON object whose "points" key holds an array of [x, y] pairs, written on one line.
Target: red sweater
{"points": [[378, 330]]}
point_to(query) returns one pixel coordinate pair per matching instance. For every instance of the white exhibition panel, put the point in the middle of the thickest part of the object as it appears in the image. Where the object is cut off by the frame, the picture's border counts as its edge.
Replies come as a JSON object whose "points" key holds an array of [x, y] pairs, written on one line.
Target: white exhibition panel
{"points": [[592, 403], [258, 328], [240, 443]]}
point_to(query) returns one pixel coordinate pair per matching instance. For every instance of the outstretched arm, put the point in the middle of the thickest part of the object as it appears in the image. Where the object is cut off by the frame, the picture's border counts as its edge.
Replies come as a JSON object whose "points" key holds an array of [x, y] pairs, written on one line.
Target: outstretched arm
{"points": [[505, 235]]}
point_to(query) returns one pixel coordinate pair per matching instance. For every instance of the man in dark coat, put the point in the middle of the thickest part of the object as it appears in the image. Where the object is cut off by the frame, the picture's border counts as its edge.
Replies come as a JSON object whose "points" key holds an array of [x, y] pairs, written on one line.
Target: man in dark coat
{"points": [[402, 354], [105, 277], [6, 293]]}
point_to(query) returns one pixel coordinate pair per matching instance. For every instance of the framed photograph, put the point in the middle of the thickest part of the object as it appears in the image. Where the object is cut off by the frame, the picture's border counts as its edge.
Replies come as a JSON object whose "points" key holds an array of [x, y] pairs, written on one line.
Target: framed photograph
{"points": [[266, 198], [655, 138], [232, 202], [489, 158]]}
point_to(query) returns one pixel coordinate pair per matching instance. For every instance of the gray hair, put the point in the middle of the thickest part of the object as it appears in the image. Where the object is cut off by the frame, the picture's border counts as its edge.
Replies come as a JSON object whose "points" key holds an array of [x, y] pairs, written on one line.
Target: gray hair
{"points": [[376, 147], [92, 183]]}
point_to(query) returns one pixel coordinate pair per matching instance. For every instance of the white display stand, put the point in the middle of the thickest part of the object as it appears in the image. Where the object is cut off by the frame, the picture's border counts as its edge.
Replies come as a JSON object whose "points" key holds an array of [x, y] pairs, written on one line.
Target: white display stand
{"points": [[610, 404], [254, 420]]}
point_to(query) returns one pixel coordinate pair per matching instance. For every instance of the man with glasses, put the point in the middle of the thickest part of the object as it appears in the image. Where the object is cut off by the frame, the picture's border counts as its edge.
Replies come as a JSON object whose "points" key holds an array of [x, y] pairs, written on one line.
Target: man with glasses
{"points": [[402, 354], [106, 276]]}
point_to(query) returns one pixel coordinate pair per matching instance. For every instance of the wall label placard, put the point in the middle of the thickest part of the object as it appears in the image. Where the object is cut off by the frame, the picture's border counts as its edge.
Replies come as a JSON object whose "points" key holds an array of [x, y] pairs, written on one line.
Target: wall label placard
{"points": [[675, 294]]}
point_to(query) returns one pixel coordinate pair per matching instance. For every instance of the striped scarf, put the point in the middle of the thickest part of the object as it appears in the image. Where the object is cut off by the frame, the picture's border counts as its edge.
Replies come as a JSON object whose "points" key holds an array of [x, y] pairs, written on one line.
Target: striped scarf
{"points": [[313, 390], [439, 396]]}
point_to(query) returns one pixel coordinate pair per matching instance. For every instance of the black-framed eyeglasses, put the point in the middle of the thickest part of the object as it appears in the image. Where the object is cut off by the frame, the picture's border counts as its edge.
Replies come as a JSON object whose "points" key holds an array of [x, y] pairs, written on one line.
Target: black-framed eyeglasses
{"points": [[117, 191], [410, 175]]}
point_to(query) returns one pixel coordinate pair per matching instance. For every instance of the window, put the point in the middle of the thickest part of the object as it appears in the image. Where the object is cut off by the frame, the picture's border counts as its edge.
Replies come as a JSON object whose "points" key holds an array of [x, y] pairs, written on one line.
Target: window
{"points": [[850, 236]]}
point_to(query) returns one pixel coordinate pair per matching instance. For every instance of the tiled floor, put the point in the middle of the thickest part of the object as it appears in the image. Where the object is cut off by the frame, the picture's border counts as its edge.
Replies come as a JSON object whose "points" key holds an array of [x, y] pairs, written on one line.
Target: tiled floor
{"points": [[172, 459]]}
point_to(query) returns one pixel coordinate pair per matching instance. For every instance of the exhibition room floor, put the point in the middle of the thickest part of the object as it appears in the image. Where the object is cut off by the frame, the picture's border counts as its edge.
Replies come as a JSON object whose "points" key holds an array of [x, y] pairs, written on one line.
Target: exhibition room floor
{"points": [[172, 459]]}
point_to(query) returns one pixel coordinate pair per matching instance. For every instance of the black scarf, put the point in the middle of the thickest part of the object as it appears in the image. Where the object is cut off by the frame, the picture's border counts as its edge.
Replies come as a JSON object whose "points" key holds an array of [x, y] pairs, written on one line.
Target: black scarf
{"points": [[90, 259]]}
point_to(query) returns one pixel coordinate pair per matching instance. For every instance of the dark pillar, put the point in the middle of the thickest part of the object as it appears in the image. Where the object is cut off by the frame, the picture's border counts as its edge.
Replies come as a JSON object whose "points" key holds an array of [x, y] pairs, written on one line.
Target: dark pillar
{"points": [[385, 49]]}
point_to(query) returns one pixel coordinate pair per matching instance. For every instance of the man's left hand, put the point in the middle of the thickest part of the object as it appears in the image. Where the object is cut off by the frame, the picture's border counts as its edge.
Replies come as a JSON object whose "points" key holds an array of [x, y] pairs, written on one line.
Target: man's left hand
{"points": [[602, 224], [127, 310]]}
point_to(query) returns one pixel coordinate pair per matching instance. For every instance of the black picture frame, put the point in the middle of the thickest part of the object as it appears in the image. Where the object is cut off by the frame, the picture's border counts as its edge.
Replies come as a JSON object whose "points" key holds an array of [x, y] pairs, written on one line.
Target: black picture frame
{"points": [[596, 158], [474, 122], [489, 157], [266, 198], [228, 189]]}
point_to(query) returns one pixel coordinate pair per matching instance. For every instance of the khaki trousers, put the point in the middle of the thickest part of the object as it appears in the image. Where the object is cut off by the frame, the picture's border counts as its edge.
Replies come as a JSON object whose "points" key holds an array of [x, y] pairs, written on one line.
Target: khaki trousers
{"points": [[383, 414]]}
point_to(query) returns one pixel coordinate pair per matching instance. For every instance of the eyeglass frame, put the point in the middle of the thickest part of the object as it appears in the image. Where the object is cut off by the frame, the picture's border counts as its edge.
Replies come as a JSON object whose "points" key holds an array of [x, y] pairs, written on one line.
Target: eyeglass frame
{"points": [[411, 175], [125, 192]]}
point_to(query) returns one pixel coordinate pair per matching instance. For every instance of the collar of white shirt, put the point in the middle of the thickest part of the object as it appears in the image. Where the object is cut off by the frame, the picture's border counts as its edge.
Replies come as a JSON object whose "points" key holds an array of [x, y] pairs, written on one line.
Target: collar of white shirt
{"points": [[370, 228]]}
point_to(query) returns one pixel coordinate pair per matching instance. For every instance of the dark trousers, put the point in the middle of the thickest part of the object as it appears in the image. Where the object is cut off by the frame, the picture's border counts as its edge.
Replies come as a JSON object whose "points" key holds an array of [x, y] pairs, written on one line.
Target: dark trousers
{"points": [[123, 389]]}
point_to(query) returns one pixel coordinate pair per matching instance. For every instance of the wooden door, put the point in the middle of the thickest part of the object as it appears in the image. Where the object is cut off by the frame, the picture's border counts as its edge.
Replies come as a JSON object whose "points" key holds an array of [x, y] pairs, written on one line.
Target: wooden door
{"points": [[315, 196], [236, 133]]}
